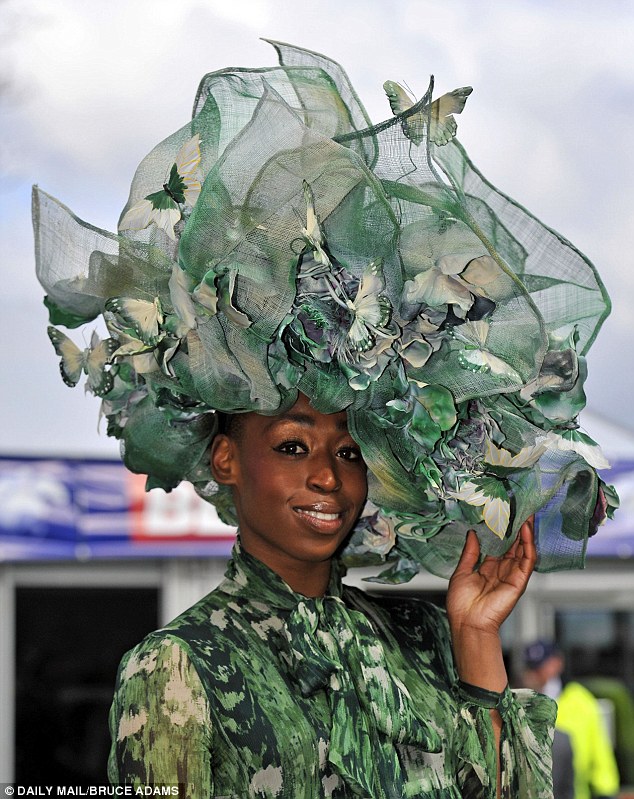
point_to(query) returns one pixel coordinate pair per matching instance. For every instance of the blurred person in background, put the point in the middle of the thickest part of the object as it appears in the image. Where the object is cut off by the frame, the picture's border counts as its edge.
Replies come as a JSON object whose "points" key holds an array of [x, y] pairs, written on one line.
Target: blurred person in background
{"points": [[563, 767], [596, 774]]}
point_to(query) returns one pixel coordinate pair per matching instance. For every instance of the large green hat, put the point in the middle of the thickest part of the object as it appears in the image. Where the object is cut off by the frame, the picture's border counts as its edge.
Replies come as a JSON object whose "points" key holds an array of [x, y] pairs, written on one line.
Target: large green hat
{"points": [[279, 243]]}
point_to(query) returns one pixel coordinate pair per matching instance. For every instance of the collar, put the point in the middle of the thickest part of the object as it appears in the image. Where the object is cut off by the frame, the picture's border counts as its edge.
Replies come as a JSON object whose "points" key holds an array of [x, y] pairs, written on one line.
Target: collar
{"points": [[249, 576]]}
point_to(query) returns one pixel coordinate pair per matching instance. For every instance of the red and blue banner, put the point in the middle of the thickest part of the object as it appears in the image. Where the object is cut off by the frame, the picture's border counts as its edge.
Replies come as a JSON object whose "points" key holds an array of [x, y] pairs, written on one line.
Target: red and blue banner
{"points": [[64, 508]]}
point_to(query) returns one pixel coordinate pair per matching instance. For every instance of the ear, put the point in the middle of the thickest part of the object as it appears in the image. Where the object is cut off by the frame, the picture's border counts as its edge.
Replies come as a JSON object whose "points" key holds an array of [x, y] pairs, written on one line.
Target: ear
{"points": [[224, 461]]}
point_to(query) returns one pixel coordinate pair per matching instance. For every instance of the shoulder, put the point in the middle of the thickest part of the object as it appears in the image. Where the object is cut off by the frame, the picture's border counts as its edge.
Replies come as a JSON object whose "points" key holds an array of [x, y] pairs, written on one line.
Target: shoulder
{"points": [[157, 678], [201, 629], [156, 659], [220, 637]]}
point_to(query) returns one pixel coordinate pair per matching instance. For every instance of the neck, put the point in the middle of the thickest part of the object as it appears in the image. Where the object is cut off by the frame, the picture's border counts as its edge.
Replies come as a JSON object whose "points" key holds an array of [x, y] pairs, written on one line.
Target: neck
{"points": [[311, 582], [309, 578]]}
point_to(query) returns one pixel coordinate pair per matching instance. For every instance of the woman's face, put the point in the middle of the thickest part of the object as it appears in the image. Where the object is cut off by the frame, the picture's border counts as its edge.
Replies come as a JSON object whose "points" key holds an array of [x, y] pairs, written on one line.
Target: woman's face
{"points": [[299, 484]]}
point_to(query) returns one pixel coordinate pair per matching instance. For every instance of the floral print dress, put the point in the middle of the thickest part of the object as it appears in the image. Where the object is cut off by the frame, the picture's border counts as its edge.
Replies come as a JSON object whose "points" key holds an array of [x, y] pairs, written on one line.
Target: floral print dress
{"points": [[257, 691]]}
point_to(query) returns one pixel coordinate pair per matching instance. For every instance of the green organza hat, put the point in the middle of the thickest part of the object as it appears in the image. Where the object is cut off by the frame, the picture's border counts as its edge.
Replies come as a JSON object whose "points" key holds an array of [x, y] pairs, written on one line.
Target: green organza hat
{"points": [[279, 243]]}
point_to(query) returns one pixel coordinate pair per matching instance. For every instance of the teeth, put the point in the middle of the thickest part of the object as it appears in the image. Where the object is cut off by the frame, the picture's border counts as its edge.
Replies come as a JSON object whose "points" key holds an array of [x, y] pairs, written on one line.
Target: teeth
{"points": [[327, 517]]}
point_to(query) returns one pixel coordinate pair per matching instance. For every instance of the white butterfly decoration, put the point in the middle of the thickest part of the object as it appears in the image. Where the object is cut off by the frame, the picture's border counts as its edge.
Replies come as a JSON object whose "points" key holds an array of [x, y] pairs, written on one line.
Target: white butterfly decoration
{"points": [[182, 187], [142, 356], [496, 508], [371, 310], [313, 232], [136, 326], [442, 125], [475, 356], [91, 360], [141, 317]]}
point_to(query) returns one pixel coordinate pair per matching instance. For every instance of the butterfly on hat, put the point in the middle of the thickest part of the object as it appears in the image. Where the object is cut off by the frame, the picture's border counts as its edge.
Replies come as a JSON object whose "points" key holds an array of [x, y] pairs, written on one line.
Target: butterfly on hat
{"points": [[142, 331], [370, 309], [475, 356], [91, 360], [163, 207], [138, 319], [442, 125]]}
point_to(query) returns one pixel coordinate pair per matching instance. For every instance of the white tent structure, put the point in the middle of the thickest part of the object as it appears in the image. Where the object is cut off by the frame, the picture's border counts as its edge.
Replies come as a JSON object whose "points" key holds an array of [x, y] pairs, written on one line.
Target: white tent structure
{"points": [[616, 441]]}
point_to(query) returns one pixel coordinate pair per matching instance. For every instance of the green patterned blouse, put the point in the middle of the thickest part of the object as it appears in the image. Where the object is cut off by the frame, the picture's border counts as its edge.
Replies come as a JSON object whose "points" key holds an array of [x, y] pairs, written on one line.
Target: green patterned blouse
{"points": [[257, 691]]}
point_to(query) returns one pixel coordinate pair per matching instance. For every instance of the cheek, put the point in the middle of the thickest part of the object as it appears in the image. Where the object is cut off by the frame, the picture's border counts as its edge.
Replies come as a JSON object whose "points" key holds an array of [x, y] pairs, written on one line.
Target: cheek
{"points": [[359, 487], [264, 480]]}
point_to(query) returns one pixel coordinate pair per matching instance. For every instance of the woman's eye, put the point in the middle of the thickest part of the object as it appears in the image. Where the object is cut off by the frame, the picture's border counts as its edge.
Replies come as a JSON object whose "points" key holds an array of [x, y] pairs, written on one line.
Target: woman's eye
{"points": [[291, 448], [350, 454]]}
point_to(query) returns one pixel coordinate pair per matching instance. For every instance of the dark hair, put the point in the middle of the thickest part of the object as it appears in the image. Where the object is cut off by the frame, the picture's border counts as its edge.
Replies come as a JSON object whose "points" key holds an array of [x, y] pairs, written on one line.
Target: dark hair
{"points": [[538, 652], [230, 424]]}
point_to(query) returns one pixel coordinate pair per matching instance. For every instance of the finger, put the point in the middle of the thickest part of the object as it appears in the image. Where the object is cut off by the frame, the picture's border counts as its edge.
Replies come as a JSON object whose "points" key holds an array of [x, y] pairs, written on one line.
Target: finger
{"points": [[524, 542], [515, 549], [527, 540], [470, 554]]}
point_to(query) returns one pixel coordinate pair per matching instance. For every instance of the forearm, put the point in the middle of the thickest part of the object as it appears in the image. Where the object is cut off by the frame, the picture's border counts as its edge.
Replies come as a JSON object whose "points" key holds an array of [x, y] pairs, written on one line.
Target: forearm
{"points": [[479, 662], [482, 593]]}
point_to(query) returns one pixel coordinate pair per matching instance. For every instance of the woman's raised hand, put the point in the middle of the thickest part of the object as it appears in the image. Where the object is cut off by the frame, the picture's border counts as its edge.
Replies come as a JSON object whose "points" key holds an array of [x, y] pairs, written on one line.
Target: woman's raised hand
{"points": [[482, 598]]}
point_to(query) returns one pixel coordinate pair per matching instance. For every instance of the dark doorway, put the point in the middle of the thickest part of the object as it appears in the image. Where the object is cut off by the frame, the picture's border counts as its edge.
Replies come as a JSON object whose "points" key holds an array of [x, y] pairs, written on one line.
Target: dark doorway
{"points": [[68, 645]]}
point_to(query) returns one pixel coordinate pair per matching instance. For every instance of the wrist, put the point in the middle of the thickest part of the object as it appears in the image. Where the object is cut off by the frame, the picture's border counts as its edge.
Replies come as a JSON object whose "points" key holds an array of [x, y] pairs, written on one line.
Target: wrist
{"points": [[478, 658], [482, 697], [474, 642], [474, 624]]}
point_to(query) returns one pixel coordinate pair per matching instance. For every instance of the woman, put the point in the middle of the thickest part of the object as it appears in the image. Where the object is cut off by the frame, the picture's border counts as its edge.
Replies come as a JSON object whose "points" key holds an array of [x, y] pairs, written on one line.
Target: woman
{"points": [[283, 683], [363, 313]]}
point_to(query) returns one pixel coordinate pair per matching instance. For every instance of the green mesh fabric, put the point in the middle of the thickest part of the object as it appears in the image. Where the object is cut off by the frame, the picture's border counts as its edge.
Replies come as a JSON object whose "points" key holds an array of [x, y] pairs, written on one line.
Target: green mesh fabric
{"points": [[279, 243]]}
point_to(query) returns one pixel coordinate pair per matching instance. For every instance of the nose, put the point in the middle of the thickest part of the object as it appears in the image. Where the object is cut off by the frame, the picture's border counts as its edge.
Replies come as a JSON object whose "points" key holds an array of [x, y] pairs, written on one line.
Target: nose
{"points": [[323, 475]]}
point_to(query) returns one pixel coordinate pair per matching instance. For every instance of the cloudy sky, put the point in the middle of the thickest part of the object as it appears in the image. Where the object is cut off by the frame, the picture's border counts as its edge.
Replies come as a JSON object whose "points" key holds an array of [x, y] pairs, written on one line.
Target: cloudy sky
{"points": [[87, 88]]}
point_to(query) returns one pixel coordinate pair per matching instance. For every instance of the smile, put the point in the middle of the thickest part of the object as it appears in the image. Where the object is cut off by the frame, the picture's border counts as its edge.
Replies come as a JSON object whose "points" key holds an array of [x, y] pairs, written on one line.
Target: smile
{"points": [[315, 514]]}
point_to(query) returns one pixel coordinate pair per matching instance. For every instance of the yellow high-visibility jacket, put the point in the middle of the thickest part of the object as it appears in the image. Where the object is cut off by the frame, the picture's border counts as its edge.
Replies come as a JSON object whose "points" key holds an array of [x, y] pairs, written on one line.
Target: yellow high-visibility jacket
{"points": [[579, 715]]}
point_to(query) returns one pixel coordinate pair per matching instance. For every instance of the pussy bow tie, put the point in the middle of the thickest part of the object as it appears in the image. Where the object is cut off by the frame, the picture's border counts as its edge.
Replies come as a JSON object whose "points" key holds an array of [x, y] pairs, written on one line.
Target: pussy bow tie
{"points": [[334, 648]]}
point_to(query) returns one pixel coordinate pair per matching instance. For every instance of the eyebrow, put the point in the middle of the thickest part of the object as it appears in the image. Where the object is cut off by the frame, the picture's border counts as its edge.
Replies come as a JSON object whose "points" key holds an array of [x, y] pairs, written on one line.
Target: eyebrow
{"points": [[304, 419]]}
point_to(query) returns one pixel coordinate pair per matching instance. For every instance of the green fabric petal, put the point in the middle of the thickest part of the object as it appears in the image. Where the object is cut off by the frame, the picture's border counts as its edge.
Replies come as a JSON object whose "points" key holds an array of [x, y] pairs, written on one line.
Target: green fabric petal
{"points": [[58, 316]]}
